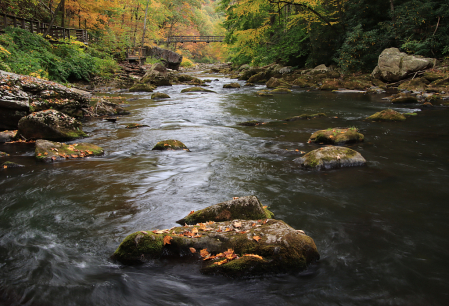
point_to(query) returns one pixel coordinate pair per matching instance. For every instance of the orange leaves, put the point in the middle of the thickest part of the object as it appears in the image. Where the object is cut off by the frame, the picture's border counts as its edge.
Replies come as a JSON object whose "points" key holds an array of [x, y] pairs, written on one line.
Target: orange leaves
{"points": [[167, 240], [191, 212], [219, 263], [257, 238], [253, 255], [204, 253], [192, 250]]}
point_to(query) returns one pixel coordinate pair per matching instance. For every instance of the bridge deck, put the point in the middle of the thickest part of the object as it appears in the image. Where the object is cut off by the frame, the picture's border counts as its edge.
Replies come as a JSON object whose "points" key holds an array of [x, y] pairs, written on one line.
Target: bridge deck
{"points": [[194, 39]]}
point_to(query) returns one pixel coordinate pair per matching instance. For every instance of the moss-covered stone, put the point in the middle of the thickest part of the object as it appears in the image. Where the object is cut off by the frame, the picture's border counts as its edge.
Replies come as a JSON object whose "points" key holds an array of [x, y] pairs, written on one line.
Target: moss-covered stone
{"points": [[50, 151], [170, 144], [434, 75], [250, 123], [135, 125], [3, 154], [331, 157], [279, 247], [9, 164], [231, 85], [196, 89], [264, 93], [280, 91], [417, 84], [337, 136], [305, 117], [275, 83], [142, 87], [387, 115], [404, 98], [159, 95], [305, 81], [248, 208], [50, 124]]}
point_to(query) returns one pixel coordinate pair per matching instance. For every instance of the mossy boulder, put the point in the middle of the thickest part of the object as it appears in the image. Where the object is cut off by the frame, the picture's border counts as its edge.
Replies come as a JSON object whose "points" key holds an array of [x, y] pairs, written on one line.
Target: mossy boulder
{"points": [[418, 84], [169, 145], [337, 136], [275, 83], [305, 81], [432, 76], [51, 125], [331, 157], [49, 151], [9, 164], [266, 93], [196, 89], [387, 115], [142, 87], [305, 117], [102, 107], [248, 208], [159, 95], [231, 85], [234, 248], [404, 98]]}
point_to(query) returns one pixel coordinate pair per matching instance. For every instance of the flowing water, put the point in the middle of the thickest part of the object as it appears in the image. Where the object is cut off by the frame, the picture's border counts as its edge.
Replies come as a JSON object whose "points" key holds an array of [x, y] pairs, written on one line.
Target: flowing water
{"points": [[382, 230]]}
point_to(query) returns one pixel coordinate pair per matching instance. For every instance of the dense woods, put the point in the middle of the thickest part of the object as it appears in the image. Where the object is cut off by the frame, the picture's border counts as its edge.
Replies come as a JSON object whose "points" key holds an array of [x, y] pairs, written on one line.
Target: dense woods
{"points": [[299, 33], [350, 34]]}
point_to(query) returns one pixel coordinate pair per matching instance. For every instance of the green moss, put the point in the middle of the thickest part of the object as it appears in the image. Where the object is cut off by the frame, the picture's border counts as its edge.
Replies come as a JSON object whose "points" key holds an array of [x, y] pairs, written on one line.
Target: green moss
{"points": [[159, 95], [170, 144], [140, 87], [75, 134], [387, 115], [135, 125], [336, 136], [305, 117], [281, 91], [139, 246], [196, 89]]}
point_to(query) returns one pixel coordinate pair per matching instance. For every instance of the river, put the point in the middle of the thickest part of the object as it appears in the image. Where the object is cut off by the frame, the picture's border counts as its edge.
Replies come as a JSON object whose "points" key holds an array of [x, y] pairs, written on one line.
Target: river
{"points": [[381, 230]]}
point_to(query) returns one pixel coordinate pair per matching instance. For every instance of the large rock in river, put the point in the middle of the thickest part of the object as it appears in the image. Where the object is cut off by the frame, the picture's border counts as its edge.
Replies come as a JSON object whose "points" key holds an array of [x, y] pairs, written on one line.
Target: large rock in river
{"points": [[248, 207], [394, 65], [235, 248], [170, 145], [387, 115], [171, 59], [331, 157], [51, 125]]}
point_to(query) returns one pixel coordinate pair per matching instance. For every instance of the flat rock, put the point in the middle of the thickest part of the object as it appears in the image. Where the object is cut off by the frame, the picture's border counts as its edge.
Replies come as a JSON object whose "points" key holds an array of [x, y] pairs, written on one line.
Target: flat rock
{"points": [[159, 95], [331, 157], [196, 89], [306, 117], [49, 151], [9, 164], [337, 136], [234, 248], [248, 207], [231, 85]]}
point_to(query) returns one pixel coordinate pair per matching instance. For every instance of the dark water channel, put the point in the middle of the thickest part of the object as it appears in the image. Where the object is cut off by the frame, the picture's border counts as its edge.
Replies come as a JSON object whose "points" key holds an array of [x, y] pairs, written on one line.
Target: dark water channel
{"points": [[382, 230]]}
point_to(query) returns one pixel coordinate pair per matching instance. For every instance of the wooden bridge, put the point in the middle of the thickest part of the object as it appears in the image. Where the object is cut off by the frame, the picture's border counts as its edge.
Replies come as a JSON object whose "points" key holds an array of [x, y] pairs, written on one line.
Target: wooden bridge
{"points": [[35, 26], [194, 39]]}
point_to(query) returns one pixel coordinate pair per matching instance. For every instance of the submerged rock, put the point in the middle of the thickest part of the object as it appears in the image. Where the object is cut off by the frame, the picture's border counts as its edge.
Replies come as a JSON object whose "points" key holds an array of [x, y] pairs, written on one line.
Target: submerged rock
{"points": [[337, 136], [51, 125], [196, 89], [135, 125], [9, 164], [251, 123], [331, 157], [305, 117], [387, 115], [170, 144], [49, 151], [404, 98], [248, 208]]}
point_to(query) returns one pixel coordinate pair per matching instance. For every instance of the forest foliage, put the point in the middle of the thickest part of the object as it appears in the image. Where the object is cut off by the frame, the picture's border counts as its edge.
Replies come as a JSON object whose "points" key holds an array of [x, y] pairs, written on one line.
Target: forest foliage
{"points": [[349, 34]]}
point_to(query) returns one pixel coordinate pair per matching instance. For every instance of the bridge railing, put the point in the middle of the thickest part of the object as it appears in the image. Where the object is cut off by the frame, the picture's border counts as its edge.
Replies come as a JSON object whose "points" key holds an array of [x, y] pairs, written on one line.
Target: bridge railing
{"points": [[182, 39], [35, 26]]}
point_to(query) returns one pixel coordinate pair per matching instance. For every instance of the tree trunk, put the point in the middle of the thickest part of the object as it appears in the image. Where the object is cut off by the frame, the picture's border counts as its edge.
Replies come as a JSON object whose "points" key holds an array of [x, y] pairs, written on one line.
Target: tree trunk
{"points": [[53, 17]]}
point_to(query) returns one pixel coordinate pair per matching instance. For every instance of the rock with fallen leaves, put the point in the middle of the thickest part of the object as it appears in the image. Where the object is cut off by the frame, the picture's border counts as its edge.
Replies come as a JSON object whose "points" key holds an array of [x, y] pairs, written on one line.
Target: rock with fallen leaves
{"points": [[49, 151], [234, 248], [21, 94], [337, 136], [169, 145], [51, 125], [7, 136], [248, 208], [331, 157]]}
